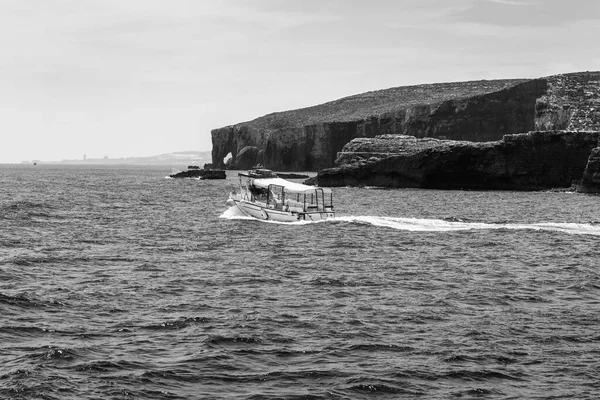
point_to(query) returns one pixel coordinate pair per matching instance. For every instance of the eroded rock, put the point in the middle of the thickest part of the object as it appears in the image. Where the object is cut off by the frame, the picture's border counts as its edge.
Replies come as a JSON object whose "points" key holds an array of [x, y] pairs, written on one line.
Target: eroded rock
{"points": [[530, 161]]}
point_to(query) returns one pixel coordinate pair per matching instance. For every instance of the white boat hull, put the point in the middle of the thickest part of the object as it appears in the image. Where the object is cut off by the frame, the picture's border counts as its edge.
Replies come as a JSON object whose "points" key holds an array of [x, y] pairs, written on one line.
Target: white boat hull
{"points": [[265, 213]]}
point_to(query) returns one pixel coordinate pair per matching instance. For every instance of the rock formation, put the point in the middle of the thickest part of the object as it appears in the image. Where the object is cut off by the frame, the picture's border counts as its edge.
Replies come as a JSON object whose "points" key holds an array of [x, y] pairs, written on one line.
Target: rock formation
{"points": [[194, 171], [529, 161], [310, 138], [590, 182], [571, 102], [568, 154]]}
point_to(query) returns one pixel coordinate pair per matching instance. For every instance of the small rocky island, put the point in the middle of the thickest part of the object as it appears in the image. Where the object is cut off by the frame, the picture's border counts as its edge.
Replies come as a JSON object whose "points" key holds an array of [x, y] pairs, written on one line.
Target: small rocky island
{"points": [[207, 172], [517, 134]]}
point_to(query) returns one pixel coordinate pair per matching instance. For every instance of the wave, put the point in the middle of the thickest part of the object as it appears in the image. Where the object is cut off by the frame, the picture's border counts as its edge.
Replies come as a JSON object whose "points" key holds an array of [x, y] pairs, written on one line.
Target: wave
{"points": [[227, 340], [56, 353], [177, 324], [28, 210], [437, 225], [234, 213], [25, 302], [383, 389]]}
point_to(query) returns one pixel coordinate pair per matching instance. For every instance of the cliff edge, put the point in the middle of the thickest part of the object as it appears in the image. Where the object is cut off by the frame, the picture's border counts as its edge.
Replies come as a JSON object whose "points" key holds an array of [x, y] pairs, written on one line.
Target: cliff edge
{"points": [[310, 138]]}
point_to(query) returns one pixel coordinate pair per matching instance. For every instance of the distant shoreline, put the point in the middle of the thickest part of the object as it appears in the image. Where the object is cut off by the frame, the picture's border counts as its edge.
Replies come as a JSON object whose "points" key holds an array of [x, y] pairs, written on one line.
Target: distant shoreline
{"points": [[182, 158]]}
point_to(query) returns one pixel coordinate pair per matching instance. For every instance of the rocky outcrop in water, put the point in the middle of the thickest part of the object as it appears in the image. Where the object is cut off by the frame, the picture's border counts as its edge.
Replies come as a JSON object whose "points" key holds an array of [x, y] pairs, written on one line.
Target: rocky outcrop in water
{"points": [[196, 172], [529, 161], [310, 138]]}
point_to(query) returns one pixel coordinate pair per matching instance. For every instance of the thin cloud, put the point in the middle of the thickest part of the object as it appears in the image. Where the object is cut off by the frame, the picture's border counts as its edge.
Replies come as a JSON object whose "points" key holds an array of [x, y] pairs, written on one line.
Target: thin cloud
{"points": [[529, 13], [511, 2]]}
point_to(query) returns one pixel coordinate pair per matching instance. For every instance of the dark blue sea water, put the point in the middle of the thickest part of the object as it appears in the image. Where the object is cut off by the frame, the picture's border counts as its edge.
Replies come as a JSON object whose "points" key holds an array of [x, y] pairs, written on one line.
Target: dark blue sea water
{"points": [[116, 283]]}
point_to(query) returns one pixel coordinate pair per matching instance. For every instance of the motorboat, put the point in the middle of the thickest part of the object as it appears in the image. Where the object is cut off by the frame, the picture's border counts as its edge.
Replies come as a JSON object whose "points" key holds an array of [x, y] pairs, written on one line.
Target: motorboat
{"points": [[266, 196]]}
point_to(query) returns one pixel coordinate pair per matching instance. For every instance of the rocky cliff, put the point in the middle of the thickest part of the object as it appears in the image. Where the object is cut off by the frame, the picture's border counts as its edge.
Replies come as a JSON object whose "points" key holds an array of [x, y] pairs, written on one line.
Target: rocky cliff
{"points": [[569, 153], [529, 161], [590, 183], [573, 103], [310, 138]]}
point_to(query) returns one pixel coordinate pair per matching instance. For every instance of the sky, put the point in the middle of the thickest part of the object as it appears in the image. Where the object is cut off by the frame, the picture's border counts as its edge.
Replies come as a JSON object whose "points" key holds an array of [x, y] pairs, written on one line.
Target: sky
{"points": [[134, 78]]}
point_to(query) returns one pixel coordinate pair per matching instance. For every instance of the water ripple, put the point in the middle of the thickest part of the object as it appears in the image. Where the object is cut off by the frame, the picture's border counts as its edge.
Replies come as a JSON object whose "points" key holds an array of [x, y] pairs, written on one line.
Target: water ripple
{"points": [[117, 283]]}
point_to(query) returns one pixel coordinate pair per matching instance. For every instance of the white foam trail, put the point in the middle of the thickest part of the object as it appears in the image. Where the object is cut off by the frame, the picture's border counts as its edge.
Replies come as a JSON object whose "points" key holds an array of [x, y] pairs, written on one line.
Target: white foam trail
{"points": [[434, 225], [438, 225], [412, 224]]}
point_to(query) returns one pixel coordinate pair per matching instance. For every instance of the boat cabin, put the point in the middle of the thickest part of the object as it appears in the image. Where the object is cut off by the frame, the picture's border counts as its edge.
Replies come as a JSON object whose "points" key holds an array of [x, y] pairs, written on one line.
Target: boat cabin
{"points": [[282, 195]]}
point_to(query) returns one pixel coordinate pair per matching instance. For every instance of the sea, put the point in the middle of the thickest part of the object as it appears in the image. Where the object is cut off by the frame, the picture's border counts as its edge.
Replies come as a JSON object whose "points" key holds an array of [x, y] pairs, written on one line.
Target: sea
{"points": [[120, 283]]}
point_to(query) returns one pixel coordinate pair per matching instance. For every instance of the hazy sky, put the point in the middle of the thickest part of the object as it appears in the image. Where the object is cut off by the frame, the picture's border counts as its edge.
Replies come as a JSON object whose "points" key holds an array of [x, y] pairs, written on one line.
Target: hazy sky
{"points": [[124, 78]]}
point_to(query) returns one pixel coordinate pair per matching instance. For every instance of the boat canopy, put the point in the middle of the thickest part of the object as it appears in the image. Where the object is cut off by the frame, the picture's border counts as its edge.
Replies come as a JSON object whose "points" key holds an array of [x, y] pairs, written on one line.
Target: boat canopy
{"points": [[290, 187]]}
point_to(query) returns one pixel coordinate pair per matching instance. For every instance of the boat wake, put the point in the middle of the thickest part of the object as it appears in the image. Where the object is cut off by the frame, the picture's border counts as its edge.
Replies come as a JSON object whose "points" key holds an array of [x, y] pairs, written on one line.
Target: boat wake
{"points": [[436, 225], [440, 225], [235, 213]]}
